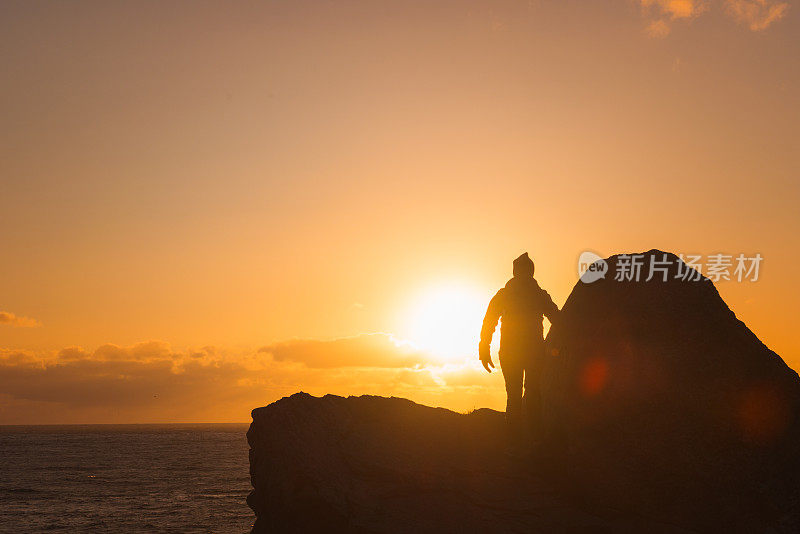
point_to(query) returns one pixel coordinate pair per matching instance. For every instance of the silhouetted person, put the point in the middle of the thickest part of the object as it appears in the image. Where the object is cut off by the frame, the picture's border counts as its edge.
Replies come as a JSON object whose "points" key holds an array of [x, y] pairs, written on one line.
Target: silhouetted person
{"points": [[521, 304]]}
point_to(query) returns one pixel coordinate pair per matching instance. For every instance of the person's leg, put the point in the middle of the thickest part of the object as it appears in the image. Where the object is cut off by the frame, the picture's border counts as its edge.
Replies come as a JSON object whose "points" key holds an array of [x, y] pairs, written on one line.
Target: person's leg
{"points": [[513, 376], [532, 398]]}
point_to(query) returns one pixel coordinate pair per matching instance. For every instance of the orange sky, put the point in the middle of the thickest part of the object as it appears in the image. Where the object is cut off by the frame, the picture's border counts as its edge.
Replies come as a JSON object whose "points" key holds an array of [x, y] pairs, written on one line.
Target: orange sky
{"points": [[206, 206]]}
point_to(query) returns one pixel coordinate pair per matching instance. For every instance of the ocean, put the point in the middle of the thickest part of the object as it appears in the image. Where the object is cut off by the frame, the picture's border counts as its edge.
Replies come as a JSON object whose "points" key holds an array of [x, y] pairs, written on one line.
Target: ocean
{"points": [[124, 478]]}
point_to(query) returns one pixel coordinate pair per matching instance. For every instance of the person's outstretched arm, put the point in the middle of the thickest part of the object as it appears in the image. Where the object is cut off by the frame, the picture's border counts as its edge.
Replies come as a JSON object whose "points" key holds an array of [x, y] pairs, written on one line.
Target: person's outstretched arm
{"points": [[493, 313]]}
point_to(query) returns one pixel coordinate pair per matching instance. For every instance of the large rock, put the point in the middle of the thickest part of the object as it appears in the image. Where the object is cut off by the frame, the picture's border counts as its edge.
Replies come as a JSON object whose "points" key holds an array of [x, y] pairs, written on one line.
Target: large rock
{"points": [[660, 400], [374, 464]]}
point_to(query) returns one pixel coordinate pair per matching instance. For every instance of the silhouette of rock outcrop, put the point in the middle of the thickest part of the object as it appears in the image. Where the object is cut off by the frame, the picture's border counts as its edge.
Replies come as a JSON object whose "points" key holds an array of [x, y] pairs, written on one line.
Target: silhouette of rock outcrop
{"points": [[662, 401], [376, 464], [662, 413]]}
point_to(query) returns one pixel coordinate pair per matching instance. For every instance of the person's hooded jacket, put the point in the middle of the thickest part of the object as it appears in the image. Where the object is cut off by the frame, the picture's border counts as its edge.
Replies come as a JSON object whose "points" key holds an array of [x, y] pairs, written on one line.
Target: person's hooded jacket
{"points": [[521, 304]]}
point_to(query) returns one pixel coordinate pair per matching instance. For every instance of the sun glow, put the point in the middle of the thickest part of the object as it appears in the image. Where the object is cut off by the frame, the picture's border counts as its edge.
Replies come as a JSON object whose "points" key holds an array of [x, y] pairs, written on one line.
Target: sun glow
{"points": [[445, 321]]}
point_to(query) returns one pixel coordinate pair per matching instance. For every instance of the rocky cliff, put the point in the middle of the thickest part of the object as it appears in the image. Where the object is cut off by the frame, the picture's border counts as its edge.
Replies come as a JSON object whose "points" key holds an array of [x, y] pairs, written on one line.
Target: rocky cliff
{"points": [[662, 412], [375, 464], [662, 401]]}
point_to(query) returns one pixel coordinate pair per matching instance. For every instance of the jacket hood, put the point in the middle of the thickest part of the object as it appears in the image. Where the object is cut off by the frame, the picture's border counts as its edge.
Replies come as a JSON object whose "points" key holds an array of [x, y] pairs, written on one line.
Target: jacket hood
{"points": [[523, 266]]}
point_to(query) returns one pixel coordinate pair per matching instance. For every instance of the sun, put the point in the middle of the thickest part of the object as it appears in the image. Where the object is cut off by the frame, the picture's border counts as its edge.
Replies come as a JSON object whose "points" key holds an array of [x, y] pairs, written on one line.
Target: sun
{"points": [[445, 321]]}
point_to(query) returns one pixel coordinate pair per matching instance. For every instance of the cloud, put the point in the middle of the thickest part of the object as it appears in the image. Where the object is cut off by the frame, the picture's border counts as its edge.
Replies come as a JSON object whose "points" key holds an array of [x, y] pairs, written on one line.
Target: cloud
{"points": [[16, 357], [18, 321], [152, 382], [675, 9], [146, 351], [366, 350], [662, 13], [658, 29], [757, 15]]}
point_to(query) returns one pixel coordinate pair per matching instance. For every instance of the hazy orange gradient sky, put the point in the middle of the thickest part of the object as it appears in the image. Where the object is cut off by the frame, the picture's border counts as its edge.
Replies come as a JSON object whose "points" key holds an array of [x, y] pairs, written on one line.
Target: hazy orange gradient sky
{"points": [[208, 205]]}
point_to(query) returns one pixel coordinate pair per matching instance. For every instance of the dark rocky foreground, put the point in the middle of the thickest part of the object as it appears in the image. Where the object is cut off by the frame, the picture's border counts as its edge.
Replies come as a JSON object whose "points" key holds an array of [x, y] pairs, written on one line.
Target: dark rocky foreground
{"points": [[662, 412], [376, 464]]}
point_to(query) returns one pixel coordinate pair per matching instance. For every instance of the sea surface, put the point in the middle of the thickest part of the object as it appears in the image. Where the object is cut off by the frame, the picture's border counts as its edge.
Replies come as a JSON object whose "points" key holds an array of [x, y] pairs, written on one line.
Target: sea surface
{"points": [[124, 478]]}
